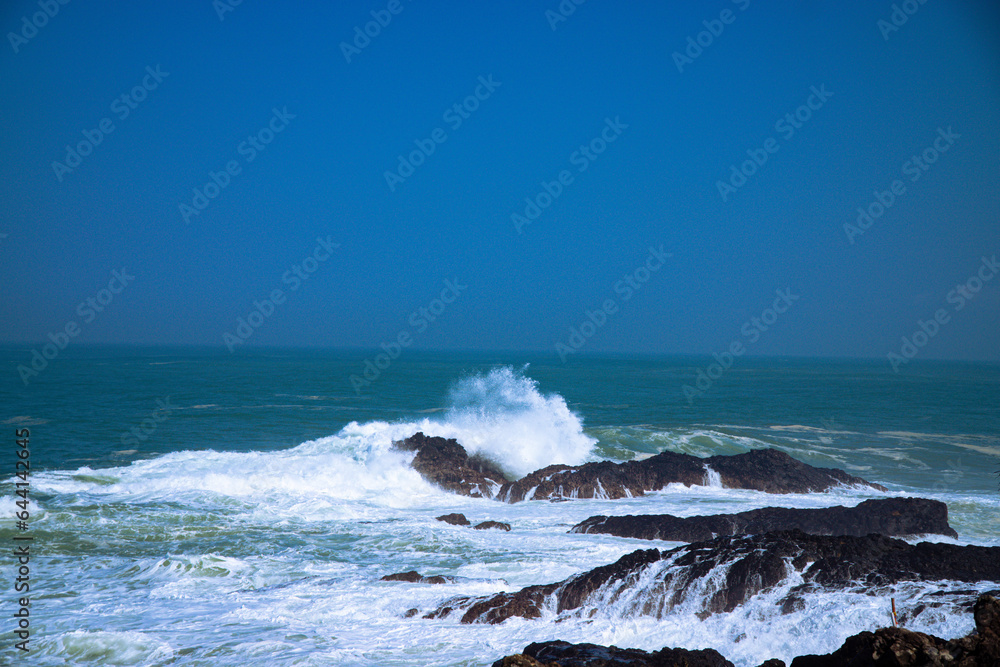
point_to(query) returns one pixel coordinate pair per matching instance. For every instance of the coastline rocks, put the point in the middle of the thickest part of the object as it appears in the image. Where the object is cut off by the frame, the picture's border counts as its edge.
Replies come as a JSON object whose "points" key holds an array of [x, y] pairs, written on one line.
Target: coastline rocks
{"points": [[893, 517], [902, 647], [767, 470], [415, 577], [886, 647], [564, 654], [446, 463], [649, 582]]}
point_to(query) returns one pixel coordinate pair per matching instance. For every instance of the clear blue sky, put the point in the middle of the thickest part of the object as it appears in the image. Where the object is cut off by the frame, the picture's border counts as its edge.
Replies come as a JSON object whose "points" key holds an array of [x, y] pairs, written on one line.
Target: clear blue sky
{"points": [[656, 183]]}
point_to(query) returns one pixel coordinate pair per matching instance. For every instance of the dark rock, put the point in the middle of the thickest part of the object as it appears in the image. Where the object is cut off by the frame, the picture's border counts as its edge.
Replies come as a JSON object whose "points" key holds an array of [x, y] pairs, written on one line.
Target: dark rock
{"points": [[752, 564], [415, 577], [492, 524], [773, 662], [446, 463], [899, 647], [521, 660], [410, 613], [894, 517], [564, 654], [455, 519]]}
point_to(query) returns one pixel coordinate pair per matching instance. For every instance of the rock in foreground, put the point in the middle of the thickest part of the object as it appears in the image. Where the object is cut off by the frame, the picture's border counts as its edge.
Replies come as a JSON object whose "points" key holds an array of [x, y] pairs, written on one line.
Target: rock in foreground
{"points": [[564, 654], [650, 582], [894, 517], [899, 647], [447, 464], [887, 647]]}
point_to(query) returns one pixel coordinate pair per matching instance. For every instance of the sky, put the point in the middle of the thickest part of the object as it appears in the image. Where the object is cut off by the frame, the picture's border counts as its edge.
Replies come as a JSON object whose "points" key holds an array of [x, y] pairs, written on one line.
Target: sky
{"points": [[646, 177]]}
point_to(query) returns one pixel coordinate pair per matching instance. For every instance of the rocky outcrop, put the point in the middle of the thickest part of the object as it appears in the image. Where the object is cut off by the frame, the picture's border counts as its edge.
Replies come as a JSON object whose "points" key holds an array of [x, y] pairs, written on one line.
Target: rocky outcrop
{"points": [[415, 577], [564, 654], [455, 519], [650, 582], [894, 517], [486, 525], [446, 463], [899, 647], [458, 519]]}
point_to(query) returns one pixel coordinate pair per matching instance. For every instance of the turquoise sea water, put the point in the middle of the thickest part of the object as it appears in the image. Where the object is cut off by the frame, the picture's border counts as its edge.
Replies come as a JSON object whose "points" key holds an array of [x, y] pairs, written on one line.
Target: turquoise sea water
{"points": [[195, 507]]}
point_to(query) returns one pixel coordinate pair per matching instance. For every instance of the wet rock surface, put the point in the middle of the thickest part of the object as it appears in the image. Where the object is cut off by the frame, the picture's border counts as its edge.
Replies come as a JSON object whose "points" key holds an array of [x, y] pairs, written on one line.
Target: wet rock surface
{"points": [[415, 577], [487, 525], [894, 517], [886, 647], [751, 564], [446, 463], [899, 647], [564, 654], [455, 519]]}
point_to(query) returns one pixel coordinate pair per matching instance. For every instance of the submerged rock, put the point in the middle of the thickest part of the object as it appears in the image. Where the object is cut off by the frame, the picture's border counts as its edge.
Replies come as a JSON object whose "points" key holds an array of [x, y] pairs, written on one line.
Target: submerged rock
{"points": [[894, 517], [721, 574], [415, 577], [899, 647], [446, 463], [564, 654]]}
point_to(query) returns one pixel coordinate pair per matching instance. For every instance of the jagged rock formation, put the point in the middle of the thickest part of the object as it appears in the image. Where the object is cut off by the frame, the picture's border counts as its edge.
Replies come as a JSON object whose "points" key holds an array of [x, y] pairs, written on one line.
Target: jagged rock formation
{"points": [[894, 517], [446, 463], [899, 647], [886, 647], [751, 564]]}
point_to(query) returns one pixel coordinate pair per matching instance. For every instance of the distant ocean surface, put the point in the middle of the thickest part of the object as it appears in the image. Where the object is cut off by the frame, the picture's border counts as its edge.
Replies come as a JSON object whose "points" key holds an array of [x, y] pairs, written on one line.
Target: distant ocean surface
{"points": [[195, 507]]}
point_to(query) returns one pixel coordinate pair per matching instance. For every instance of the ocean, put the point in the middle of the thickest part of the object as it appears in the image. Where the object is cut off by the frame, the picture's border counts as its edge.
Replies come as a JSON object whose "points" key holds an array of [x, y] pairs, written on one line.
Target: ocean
{"points": [[195, 507]]}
